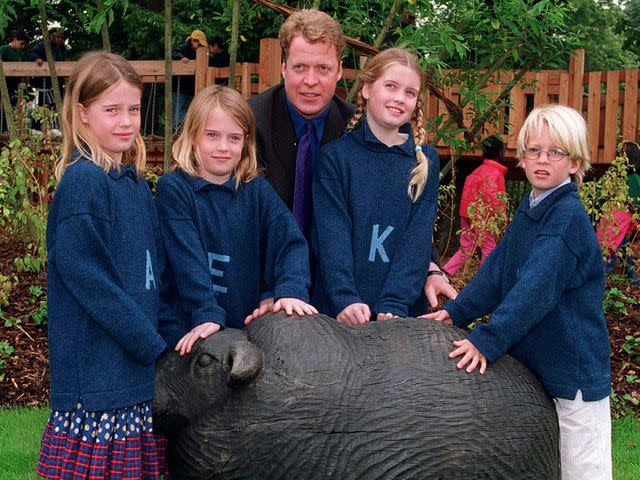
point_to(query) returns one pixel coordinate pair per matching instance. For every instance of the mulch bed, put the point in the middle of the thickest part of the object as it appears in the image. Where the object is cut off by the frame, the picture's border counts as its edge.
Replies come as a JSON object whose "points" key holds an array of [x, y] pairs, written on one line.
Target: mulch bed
{"points": [[26, 380]]}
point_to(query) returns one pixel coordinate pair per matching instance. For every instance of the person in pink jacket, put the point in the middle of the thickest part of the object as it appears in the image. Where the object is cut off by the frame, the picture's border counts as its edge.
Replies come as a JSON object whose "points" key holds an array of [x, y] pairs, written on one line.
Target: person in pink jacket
{"points": [[484, 183]]}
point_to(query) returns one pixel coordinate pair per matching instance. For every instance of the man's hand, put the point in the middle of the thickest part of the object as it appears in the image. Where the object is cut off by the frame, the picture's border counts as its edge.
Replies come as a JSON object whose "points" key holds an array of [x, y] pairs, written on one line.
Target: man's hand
{"points": [[437, 285]]}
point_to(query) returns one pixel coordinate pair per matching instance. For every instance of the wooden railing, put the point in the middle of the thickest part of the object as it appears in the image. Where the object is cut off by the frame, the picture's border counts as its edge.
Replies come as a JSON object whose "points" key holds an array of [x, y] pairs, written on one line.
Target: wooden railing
{"points": [[608, 100]]}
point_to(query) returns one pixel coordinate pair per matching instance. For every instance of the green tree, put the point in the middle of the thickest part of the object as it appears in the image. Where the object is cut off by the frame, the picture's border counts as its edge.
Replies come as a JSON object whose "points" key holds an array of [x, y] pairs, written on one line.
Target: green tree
{"points": [[596, 25], [629, 27]]}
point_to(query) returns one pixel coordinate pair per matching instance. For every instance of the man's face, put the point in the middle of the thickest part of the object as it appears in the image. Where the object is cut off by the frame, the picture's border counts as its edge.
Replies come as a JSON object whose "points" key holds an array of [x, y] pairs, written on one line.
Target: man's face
{"points": [[310, 75], [214, 49], [58, 39]]}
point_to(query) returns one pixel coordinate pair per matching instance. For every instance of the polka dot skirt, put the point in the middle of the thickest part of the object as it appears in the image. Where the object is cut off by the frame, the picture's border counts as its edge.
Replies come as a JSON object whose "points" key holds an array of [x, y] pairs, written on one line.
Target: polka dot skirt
{"points": [[114, 445]]}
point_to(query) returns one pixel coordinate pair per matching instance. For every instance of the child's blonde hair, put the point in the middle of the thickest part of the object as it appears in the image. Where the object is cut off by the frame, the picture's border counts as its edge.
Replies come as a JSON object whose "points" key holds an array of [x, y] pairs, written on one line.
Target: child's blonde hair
{"points": [[95, 73], [568, 131], [203, 104], [373, 70]]}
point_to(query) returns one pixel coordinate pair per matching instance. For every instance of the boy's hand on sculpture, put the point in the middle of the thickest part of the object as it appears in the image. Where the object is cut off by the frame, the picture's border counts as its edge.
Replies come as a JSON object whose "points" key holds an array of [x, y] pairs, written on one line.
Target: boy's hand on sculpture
{"points": [[291, 305], [185, 344], [264, 306], [355, 314], [471, 356], [439, 316]]}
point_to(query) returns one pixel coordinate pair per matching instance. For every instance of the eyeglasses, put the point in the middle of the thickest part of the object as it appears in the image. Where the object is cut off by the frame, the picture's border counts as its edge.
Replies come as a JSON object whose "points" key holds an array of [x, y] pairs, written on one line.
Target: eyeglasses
{"points": [[553, 155]]}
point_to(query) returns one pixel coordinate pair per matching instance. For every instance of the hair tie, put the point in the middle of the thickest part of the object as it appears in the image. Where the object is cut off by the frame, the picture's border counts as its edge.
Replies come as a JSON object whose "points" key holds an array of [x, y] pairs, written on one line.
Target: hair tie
{"points": [[418, 148]]}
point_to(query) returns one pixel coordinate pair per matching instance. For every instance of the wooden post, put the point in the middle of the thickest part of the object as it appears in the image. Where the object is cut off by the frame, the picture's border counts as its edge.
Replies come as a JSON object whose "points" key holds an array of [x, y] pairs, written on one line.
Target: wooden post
{"points": [[245, 86], [593, 115], [576, 74], [611, 116], [630, 113], [270, 61], [202, 63]]}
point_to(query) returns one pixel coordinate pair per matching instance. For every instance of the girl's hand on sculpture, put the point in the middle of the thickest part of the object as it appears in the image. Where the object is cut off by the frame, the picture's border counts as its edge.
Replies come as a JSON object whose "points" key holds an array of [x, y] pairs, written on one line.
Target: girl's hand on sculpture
{"points": [[355, 314], [385, 316], [470, 355], [439, 316], [185, 344], [293, 305], [264, 306]]}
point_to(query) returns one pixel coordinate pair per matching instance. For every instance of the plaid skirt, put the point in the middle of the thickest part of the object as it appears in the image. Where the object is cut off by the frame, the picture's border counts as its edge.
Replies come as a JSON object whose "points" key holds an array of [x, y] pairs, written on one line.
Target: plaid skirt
{"points": [[113, 445]]}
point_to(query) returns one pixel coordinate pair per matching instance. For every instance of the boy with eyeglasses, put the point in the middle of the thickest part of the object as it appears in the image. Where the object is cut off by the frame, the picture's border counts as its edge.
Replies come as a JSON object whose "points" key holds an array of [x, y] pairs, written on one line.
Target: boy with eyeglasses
{"points": [[544, 285]]}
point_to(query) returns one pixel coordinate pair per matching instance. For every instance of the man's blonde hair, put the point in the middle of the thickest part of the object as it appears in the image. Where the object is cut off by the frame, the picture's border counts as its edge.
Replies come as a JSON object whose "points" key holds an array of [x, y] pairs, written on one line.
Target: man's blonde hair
{"points": [[185, 153], [92, 75], [314, 26], [568, 131]]}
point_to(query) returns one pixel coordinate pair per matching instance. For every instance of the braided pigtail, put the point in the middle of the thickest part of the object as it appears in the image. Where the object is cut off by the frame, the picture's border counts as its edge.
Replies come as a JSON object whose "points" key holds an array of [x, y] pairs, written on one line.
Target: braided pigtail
{"points": [[355, 120], [420, 172]]}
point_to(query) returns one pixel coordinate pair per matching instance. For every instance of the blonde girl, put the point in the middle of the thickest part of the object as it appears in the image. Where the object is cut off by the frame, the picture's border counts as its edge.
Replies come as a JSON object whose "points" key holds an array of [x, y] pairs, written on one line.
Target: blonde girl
{"points": [[102, 283], [227, 234], [375, 194]]}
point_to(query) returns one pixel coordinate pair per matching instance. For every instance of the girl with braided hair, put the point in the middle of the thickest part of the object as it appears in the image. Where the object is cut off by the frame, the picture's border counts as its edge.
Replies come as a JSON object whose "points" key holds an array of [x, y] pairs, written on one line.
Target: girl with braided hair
{"points": [[374, 196]]}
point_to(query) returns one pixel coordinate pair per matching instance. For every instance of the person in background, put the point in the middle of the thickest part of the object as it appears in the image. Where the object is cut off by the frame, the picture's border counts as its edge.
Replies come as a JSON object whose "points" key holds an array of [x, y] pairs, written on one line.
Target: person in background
{"points": [[43, 85], [184, 86], [218, 54], [14, 51], [58, 48], [482, 185], [615, 236]]}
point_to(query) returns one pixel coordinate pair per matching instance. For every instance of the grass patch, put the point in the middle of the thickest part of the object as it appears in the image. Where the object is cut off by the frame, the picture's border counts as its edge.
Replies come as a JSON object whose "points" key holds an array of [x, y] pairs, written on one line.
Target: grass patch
{"points": [[626, 448], [20, 431]]}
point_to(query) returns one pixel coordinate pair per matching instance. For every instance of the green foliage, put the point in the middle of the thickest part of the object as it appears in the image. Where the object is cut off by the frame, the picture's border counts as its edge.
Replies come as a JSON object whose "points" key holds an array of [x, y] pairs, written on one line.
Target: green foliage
{"points": [[632, 347], [6, 285], [25, 187], [6, 351], [616, 301], [488, 216], [597, 26], [605, 196]]}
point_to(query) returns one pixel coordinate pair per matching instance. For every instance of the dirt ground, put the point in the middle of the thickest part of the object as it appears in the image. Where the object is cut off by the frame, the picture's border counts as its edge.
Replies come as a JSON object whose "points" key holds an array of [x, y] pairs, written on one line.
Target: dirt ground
{"points": [[26, 379]]}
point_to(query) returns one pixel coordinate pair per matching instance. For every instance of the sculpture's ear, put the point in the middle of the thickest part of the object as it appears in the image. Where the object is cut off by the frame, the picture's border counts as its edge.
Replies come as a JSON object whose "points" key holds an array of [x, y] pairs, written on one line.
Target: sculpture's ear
{"points": [[246, 363]]}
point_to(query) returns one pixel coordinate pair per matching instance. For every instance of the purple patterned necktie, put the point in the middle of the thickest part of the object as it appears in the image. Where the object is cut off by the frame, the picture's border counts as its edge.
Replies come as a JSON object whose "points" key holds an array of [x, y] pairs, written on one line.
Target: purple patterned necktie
{"points": [[302, 189]]}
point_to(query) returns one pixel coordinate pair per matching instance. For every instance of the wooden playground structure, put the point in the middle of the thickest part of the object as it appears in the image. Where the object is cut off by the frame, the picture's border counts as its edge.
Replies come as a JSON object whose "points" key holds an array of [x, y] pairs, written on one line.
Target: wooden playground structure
{"points": [[608, 100]]}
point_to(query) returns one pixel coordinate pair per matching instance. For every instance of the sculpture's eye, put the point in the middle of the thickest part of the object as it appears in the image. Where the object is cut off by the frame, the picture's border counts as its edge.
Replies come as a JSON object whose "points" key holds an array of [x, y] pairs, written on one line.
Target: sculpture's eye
{"points": [[204, 360]]}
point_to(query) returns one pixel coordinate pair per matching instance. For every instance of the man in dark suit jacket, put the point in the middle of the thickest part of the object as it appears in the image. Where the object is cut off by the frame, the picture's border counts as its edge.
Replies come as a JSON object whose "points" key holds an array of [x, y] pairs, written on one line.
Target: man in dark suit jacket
{"points": [[312, 45], [277, 142]]}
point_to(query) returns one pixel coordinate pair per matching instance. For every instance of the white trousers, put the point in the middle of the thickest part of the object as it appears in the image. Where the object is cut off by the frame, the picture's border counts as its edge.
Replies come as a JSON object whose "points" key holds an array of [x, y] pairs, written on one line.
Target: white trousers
{"points": [[585, 438]]}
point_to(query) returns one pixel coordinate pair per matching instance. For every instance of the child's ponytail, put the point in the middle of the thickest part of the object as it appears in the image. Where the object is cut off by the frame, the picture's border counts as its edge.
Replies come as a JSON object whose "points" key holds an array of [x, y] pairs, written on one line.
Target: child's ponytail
{"points": [[420, 172], [357, 116]]}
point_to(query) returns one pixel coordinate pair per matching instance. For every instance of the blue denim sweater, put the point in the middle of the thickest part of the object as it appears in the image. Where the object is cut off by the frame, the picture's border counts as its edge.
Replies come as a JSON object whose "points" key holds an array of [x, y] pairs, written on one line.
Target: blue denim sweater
{"points": [[102, 289], [221, 245], [373, 244], [544, 285]]}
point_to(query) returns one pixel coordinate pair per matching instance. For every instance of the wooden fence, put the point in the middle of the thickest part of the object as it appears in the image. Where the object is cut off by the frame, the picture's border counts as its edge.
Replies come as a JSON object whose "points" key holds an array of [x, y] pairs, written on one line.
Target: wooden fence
{"points": [[608, 100]]}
